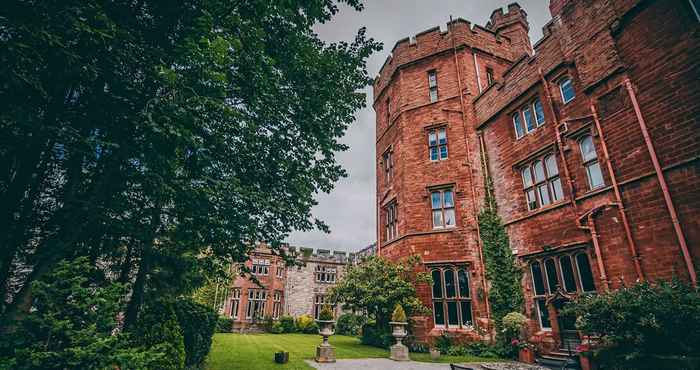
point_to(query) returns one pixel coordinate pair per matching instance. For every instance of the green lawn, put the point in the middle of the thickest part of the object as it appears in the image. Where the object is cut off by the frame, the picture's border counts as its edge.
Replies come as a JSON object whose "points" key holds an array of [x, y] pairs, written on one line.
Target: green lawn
{"points": [[256, 351]]}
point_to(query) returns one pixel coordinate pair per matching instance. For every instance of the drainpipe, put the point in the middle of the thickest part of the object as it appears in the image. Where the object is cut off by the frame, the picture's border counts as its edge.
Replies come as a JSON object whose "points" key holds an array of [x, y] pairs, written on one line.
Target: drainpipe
{"points": [[596, 245], [471, 181], [662, 184], [618, 198], [476, 68]]}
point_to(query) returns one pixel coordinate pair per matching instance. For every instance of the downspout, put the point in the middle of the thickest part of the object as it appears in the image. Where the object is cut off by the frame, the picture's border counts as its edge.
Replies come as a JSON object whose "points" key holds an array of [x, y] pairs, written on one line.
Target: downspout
{"points": [[596, 245], [662, 184], [618, 198], [476, 68], [471, 182]]}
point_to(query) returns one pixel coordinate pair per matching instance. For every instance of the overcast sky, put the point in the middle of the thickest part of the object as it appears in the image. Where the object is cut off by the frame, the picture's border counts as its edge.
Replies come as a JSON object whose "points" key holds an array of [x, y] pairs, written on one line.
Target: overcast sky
{"points": [[349, 209]]}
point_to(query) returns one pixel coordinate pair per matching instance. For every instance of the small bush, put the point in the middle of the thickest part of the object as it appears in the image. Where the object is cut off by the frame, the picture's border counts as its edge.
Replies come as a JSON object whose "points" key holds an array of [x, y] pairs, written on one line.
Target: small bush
{"points": [[287, 323], [399, 314], [444, 342], [377, 336], [513, 325], [198, 323], [224, 324], [158, 330], [277, 328], [307, 324], [326, 313], [350, 324]]}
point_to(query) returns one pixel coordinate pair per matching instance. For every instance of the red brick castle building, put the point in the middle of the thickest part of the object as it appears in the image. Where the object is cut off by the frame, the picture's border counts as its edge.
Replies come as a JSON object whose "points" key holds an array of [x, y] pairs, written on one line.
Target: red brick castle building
{"points": [[591, 137]]}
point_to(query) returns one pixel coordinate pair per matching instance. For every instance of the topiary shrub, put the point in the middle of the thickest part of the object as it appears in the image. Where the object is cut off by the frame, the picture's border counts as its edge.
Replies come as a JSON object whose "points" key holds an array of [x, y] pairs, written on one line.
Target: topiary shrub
{"points": [[287, 323], [326, 313], [399, 315], [224, 324], [198, 323], [350, 324]]}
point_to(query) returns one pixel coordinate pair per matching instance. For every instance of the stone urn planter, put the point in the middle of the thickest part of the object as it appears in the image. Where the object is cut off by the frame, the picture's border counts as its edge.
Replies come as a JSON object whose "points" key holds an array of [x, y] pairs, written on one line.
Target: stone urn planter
{"points": [[434, 354], [324, 351], [399, 352]]}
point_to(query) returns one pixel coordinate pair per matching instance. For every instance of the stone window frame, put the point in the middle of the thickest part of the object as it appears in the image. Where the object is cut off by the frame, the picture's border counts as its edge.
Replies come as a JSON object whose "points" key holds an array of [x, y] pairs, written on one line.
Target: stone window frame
{"points": [[440, 148], [462, 297], [540, 296], [443, 208], [280, 271], [260, 267], [326, 274], [534, 198], [433, 86], [256, 303], [591, 164], [388, 163], [276, 304], [566, 79], [391, 220], [520, 121], [235, 302]]}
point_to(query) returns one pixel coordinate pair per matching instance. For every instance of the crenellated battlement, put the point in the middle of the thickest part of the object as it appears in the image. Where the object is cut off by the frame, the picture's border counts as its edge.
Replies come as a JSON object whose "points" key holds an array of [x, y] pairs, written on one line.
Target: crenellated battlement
{"points": [[436, 40], [500, 19]]}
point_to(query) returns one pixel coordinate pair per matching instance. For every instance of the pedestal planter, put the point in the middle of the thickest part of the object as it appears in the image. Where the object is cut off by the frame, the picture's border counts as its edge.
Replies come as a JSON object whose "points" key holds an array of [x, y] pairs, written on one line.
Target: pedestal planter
{"points": [[434, 355], [399, 352], [324, 351], [526, 355]]}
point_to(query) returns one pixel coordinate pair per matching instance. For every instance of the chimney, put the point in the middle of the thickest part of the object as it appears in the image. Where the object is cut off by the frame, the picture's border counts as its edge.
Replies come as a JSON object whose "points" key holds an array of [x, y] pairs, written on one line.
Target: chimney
{"points": [[513, 25]]}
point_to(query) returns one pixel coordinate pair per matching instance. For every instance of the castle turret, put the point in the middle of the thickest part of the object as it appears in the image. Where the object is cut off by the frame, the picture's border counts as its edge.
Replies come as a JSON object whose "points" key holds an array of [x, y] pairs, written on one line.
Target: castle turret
{"points": [[513, 25]]}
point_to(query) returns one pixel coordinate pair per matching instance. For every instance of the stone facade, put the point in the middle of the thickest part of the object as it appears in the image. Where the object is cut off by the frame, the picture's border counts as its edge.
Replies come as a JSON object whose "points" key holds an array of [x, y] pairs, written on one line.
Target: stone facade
{"points": [[611, 193]]}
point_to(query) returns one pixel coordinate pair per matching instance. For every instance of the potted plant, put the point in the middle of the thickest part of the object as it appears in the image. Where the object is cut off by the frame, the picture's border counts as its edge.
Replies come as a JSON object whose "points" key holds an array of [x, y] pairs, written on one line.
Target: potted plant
{"points": [[514, 329], [325, 352], [585, 355], [399, 352]]}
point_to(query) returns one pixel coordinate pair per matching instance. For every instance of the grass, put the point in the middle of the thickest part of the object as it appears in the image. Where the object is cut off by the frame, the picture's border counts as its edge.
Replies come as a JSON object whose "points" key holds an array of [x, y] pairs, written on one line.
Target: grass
{"points": [[256, 351]]}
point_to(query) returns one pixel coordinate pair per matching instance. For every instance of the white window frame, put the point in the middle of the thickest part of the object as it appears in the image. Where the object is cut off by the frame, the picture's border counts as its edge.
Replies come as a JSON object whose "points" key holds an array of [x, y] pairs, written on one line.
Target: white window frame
{"points": [[235, 302], [391, 225], [589, 163], [561, 84], [548, 182], [438, 145], [388, 161], [433, 86], [520, 114], [443, 208], [326, 274], [256, 303], [276, 304]]}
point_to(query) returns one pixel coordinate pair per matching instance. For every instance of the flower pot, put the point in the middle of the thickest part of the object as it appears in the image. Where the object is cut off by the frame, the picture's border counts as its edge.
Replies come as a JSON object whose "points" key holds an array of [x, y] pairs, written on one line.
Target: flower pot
{"points": [[526, 355], [281, 357], [399, 352], [586, 362], [325, 352], [434, 355]]}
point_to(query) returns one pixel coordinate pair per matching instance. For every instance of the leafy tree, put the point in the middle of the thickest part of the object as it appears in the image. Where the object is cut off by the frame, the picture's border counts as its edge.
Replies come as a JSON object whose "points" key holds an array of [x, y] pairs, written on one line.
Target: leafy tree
{"points": [[377, 285], [160, 138]]}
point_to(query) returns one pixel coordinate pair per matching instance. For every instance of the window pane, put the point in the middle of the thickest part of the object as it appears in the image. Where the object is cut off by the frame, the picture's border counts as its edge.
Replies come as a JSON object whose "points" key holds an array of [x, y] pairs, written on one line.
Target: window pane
{"points": [[551, 270], [442, 136], [436, 199], [450, 217], [539, 112], [433, 153], [449, 199], [443, 151], [432, 79], [432, 138], [557, 193], [466, 312], [437, 284], [595, 176], [531, 202], [529, 119], [544, 195], [437, 218], [536, 271], [567, 90], [452, 313], [450, 289], [567, 272], [587, 149], [439, 313], [544, 314], [463, 283], [584, 273], [539, 171], [527, 177], [517, 122], [551, 163], [433, 95]]}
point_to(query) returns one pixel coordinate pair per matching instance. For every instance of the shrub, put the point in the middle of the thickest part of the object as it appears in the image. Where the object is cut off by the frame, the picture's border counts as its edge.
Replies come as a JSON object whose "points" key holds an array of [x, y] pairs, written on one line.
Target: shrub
{"points": [[198, 323], [399, 315], [287, 323], [637, 324], [376, 335], [513, 325], [444, 342], [277, 328], [267, 323], [306, 324], [224, 324], [158, 330], [326, 313], [350, 324]]}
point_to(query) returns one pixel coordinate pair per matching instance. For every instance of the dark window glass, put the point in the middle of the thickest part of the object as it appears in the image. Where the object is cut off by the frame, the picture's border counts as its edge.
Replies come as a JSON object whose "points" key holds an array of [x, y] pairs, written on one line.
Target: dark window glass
{"points": [[536, 270], [450, 290], [466, 312], [551, 270], [539, 112], [452, 313], [439, 313], [567, 272], [463, 284], [437, 284], [544, 314], [584, 271]]}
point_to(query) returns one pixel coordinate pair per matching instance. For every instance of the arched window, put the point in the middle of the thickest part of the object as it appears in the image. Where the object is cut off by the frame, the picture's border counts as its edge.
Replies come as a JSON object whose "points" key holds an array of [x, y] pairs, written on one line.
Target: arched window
{"points": [[566, 87], [537, 282], [590, 162], [540, 295], [584, 272], [451, 297], [567, 272], [551, 269]]}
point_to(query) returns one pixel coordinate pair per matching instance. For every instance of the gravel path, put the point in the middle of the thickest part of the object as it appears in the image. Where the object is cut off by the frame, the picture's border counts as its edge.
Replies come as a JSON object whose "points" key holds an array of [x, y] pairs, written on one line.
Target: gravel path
{"points": [[386, 364]]}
